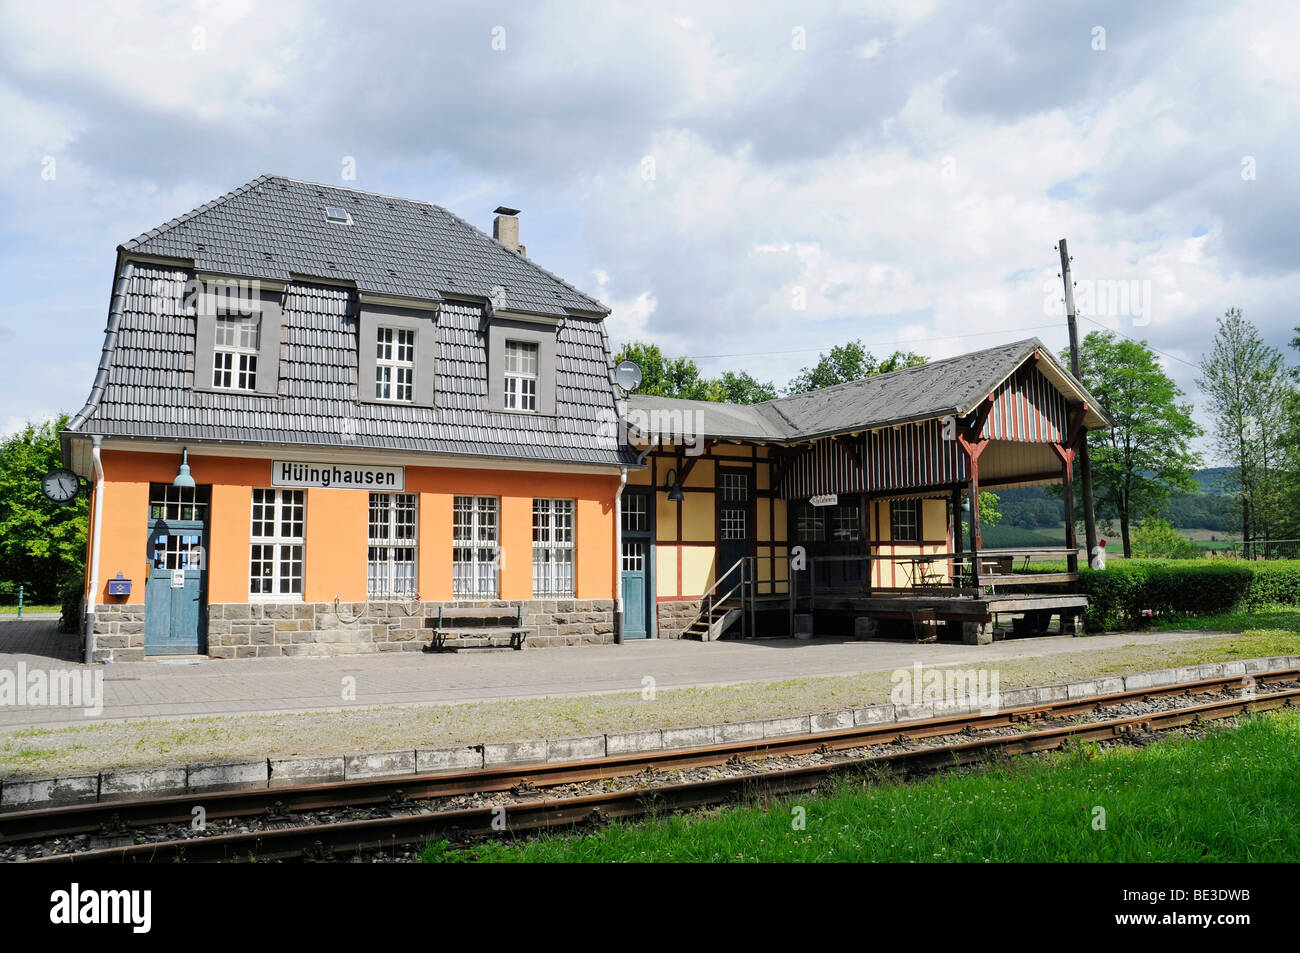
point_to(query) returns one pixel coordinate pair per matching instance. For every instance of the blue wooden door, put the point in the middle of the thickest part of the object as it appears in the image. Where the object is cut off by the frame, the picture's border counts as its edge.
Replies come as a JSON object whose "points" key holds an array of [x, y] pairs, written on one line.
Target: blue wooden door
{"points": [[174, 591], [634, 594], [635, 564]]}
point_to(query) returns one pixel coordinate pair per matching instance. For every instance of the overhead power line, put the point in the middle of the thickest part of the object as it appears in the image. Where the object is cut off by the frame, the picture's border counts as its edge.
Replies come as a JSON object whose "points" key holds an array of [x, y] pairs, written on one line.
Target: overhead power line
{"points": [[1172, 357]]}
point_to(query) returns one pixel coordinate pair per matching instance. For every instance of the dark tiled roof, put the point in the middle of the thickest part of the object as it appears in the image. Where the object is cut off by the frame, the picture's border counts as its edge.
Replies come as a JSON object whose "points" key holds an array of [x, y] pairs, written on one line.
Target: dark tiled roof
{"points": [[148, 390], [275, 227], [954, 386]]}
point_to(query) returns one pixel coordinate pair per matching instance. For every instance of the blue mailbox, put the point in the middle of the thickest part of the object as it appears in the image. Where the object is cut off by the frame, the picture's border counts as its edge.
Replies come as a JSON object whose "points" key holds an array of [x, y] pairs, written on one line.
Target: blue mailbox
{"points": [[119, 586]]}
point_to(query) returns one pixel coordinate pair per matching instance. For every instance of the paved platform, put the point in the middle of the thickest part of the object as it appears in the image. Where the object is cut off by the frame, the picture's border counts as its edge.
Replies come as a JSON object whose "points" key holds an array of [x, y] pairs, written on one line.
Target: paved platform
{"points": [[180, 688]]}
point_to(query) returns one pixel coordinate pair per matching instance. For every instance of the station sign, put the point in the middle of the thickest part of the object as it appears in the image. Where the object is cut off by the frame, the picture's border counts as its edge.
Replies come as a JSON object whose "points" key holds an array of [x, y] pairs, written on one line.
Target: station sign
{"points": [[336, 476]]}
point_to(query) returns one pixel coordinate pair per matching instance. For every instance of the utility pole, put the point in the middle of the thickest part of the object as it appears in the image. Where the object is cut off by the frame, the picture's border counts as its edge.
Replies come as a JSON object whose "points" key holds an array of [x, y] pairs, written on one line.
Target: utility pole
{"points": [[1085, 468]]}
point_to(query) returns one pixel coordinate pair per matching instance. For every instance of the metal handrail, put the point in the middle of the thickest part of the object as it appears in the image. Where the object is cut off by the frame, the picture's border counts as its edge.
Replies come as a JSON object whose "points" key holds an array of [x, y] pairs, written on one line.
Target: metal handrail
{"points": [[710, 595], [717, 582]]}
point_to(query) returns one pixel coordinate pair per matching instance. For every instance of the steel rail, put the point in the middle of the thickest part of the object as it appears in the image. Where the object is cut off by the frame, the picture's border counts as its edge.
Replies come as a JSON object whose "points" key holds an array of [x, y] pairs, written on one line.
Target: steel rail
{"points": [[379, 834], [123, 815]]}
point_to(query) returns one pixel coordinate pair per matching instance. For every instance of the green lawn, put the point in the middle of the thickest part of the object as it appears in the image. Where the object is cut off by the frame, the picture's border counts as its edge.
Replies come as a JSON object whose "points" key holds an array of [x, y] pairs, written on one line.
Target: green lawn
{"points": [[13, 610], [1232, 795], [1267, 618]]}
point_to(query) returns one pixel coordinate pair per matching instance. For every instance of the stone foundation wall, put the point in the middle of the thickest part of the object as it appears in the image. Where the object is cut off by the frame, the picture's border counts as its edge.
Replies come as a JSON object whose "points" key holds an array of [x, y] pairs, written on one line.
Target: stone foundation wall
{"points": [[675, 616], [277, 629]]}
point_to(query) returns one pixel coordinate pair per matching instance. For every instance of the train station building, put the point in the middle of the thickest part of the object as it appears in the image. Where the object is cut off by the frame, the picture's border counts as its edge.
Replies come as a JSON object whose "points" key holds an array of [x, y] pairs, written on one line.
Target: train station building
{"points": [[323, 417]]}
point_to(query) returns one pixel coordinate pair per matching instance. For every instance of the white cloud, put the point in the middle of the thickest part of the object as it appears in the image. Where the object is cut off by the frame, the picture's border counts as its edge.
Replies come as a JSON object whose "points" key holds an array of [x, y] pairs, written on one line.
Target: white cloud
{"points": [[902, 179]]}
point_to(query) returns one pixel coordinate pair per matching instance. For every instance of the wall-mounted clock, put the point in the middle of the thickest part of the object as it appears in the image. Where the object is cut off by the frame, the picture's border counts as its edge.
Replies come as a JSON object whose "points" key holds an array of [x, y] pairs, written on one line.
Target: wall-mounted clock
{"points": [[62, 486]]}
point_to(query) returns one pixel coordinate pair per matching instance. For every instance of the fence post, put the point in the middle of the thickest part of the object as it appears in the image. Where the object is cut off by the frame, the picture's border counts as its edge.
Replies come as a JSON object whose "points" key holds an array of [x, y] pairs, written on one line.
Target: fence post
{"points": [[20, 603]]}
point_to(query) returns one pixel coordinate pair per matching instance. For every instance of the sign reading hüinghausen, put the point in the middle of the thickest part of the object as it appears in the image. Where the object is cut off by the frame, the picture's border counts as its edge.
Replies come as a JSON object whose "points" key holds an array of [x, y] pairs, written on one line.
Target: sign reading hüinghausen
{"points": [[345, 476]]}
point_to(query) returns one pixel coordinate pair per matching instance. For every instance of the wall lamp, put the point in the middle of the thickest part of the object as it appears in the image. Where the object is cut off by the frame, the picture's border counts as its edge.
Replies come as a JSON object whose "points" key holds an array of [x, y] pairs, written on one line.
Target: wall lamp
{"points": [[673, 486], [183, 477]]}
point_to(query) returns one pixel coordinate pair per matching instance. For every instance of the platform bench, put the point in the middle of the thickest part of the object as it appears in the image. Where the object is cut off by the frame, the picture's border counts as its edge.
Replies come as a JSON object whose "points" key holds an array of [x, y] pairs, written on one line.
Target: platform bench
{"points": [[473, 628]]}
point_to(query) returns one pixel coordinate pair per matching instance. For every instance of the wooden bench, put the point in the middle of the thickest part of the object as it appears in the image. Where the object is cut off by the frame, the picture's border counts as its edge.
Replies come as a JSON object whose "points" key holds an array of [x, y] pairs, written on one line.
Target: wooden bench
{"points": [[474, 628]]}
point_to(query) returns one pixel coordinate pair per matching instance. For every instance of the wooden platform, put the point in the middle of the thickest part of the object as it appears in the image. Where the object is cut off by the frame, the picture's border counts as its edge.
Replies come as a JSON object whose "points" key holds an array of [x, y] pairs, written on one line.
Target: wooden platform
{"points": [[948, 608]]}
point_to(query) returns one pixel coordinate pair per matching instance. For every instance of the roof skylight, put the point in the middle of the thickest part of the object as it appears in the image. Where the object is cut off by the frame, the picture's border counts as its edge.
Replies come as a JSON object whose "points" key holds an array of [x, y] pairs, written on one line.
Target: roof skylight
{"points": [[337, 215]]}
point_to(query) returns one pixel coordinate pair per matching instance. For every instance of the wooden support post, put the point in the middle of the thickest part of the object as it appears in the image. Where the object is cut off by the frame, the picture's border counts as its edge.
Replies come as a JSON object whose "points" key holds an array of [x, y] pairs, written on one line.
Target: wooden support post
{"points": [[789, 588], [864, 533], [972, 442], [812, 585], [955, 503], [1067, 491], [1067, 455], [975, 542]]}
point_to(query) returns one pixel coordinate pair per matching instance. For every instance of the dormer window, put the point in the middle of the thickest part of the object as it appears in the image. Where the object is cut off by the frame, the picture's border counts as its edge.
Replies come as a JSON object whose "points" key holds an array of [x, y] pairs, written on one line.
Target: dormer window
{"points": [[234, 352], [395, 364], [521, 365], [237, 337], [520, 391], [396, 354]]}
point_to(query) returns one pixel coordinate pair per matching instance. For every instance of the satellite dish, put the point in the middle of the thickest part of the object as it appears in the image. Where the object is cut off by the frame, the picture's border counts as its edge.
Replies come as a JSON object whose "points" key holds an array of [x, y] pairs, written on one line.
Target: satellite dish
{"points": [[627, 376]]}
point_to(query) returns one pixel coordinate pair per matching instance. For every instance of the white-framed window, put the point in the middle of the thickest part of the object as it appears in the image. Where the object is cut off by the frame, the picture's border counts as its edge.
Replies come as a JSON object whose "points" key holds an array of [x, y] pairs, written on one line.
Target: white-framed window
{"points": [[845, 525], [734, 486], [474, 545], [393, 535], [234, 351], [733, 523], [395, 364], [170, 502], [520, 391], [636, 518], [904, 521], [553, 547], [634, 555], [276, 549], [809, 526]]}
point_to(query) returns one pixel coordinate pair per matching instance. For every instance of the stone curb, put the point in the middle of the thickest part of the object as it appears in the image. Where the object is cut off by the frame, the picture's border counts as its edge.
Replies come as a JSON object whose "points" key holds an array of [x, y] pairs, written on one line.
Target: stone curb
{"points": [[116, 783]]}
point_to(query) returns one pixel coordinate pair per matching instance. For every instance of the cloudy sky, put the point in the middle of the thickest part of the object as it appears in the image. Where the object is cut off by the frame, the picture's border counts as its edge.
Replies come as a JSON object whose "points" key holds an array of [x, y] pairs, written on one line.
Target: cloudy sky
{"points": [[743, 183]]}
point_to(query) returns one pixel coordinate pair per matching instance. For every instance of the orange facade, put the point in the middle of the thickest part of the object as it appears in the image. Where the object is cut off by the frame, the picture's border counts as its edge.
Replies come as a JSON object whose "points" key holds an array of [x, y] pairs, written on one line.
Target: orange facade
{"points": [[335, 541]]}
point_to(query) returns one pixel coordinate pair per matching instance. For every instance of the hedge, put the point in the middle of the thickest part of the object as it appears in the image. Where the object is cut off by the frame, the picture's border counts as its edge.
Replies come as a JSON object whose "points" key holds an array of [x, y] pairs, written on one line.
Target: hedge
{"points": [[1118, 594]]}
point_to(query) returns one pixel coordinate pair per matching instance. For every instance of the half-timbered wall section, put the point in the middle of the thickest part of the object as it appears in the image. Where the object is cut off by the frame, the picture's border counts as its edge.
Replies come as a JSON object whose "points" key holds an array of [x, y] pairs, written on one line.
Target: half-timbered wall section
{"points": [[688, 533]]}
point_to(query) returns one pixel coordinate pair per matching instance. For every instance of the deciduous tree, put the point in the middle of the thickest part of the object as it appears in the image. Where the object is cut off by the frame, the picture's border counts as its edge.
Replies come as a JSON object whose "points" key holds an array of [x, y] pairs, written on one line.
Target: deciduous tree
{"points": [[42, 543], [1246, 387], [849, 362], [1147, 455]]}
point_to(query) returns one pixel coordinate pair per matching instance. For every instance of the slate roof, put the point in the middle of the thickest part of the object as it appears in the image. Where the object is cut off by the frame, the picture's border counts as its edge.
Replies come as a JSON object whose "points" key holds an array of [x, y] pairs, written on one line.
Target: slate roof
{"points": [[148, 383], [953, 386], [274, 227]]}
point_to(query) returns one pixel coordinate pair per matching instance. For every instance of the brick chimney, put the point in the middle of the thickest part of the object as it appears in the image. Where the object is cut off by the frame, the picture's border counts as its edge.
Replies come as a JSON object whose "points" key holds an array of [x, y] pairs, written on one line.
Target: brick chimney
{"points": [[505, 228]]}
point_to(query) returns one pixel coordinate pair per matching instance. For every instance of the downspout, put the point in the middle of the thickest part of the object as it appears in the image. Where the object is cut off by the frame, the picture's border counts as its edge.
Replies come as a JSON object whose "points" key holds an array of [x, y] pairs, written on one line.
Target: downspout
{"points": [[93, 595], [618, 557]]}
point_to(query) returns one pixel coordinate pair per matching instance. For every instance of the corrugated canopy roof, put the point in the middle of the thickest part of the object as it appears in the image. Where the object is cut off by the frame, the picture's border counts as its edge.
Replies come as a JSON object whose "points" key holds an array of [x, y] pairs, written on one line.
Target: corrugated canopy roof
{"points": [[953, 386]]}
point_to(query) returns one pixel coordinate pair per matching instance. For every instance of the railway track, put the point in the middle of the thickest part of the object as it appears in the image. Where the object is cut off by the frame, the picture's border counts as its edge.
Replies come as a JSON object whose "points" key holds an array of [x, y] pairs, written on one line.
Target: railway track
{"points": [[413, 815]]}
